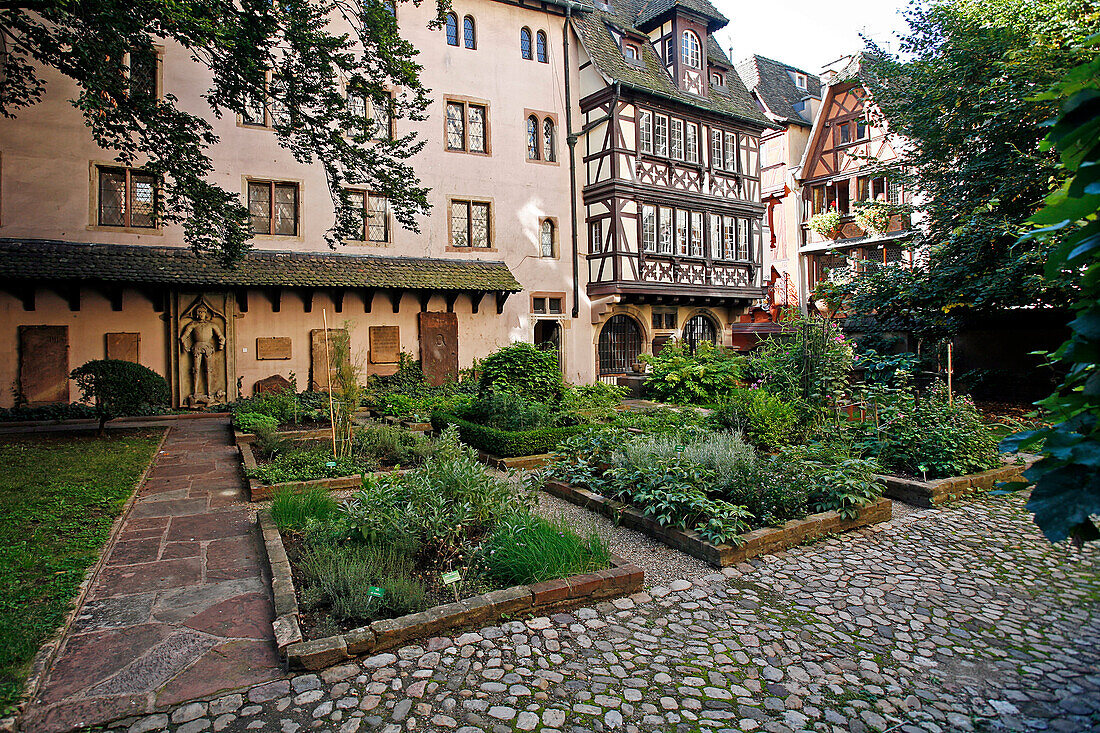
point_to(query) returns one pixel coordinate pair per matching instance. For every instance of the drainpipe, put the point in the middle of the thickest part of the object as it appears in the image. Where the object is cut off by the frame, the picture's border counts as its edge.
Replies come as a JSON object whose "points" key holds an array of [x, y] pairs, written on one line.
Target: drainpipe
{"points": [[571, 138]]}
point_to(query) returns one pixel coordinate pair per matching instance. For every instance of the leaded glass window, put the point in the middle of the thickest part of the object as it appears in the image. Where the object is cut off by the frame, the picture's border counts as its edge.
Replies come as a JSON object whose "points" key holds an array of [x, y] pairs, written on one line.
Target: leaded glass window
{"points": [[731, 237], [732, 158], [469, 33], [678, 139], [681, 232], [476, 122], [273, 207], [691, 143], [548, 140], [143, 73], [649, 228], [451, 24], [381, 117], [696, 234], [546, 238], [742, 239], [660, 136], [470, 226], [532, 138], [127, 198], [664, 232], [645, 131], [456, 126], [716, 149], [460, 223], [479, 225], [525, 43], [540, 47]]}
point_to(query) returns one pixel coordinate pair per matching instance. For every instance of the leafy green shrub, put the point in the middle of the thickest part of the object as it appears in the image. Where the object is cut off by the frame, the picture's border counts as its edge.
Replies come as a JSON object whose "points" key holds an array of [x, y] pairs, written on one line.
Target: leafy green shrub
{"points": [[116, 387], [390, 445], [766, 421], [927, 436], [340, 576], [811, 360], [293, 511], [254, 422], [525, 370], [528, 549], [507, 411], [506, 443], [309, 463], [72, 411], [660, 420], [593, 401], [704, 378]]}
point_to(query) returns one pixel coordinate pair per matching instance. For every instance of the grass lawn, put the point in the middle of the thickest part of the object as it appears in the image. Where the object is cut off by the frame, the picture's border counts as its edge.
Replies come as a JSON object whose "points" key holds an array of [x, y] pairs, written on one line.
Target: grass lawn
{"points": [[59, 495]]}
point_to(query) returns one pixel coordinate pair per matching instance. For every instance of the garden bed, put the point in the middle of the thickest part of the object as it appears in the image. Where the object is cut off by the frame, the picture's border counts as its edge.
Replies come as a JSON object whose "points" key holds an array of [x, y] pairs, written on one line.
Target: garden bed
{"points": [[515, 462], [259, 491], [751, 544], [501, 444], [620, 579], [937, 492]]}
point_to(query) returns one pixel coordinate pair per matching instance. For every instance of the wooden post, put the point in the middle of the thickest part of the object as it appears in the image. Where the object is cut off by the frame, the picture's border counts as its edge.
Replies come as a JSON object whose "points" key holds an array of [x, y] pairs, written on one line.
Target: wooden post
{"points": [[950, 373], [328, 371]]}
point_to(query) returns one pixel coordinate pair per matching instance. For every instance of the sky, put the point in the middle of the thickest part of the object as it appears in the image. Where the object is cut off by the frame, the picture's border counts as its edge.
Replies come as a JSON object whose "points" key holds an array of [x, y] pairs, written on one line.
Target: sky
{"points": [[807, 33]]}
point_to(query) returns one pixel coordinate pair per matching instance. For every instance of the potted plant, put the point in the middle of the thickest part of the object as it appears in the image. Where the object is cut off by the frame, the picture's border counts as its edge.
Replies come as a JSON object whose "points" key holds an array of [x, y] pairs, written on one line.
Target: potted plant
{"points": [[831, 294], [872, 216], [826, 223]]}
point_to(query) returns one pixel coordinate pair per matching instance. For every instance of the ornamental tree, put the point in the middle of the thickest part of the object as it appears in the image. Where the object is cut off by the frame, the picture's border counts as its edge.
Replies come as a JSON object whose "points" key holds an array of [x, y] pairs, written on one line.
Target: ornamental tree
{"points": [[296, 56]]}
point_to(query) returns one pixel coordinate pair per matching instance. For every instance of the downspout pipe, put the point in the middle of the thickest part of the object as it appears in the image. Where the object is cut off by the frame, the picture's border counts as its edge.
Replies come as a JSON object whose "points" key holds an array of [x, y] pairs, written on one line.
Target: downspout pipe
{"points": [[571, 139]]}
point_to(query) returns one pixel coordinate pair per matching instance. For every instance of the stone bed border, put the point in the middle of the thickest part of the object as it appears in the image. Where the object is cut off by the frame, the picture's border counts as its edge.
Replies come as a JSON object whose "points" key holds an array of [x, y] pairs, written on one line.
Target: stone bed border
{"points": [[621, 579], [537, 460], [930, 494], [259, 491], [757, 542]]}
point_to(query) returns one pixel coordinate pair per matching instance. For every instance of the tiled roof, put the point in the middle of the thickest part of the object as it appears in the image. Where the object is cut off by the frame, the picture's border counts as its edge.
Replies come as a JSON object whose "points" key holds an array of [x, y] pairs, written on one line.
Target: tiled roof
{"points": [[655, 8], [39, 260], [771, 81], [650, 76]]}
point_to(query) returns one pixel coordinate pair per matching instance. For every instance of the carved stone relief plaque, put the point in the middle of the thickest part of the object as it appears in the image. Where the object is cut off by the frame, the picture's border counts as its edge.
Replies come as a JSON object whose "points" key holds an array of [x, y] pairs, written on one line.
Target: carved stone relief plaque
{"points": [[385, 344], [124, 346], [275, 384], [277, 347], [202, 341], [321, 355], [44, 364], [438, 346]]}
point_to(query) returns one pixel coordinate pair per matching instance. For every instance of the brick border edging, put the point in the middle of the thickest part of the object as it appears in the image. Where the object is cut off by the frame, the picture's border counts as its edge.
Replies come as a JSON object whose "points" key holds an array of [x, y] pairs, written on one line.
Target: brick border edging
{"points": [[47, 653], [621, 579], [930, 494], [757, 542], [259, 491]]}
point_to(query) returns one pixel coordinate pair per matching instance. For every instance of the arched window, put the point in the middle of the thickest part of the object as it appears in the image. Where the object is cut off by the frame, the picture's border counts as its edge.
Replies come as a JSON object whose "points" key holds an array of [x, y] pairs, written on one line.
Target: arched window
{"points": [[698, 329], [690, 50], [546, 239], [532, 138], [525, 43], [540, 47], [619, 346], [468, 32], [548, 140], [452, 29]]}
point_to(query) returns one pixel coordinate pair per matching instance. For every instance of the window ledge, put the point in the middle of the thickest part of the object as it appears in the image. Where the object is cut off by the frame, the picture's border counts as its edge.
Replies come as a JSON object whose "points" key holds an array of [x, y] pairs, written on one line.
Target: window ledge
{"points": [[156, 231], [467, 250]]}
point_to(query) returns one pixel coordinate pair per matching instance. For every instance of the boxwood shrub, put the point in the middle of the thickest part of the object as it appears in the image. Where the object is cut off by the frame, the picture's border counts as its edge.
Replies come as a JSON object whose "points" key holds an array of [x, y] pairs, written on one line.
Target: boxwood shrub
{"points": [[506, 443]]}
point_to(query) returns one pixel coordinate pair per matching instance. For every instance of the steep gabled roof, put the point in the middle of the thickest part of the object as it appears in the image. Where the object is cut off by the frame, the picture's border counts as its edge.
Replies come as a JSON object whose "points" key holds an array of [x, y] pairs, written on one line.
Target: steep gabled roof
{"points": [[652, 9], [649, 75], [44, 260], [772, 84]]}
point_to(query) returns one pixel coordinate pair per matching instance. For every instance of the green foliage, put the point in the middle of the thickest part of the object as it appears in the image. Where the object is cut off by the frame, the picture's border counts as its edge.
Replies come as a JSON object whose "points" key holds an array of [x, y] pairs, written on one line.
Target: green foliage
{"points": [[926, 435], [1067, 477], [527, 549], [835, 481], [72, 411], [390, 445], [704, 378], [294, 511], [287, 407], [310, 59], [826, 223], [811, 360], [525, 370], [595, 401], [507, 411], [962, 92], [663, 420], [506, 443], [765, 420], [339, 576], [405, 394], [309, 463], [59, 497], [117, 387], [254, 422]]}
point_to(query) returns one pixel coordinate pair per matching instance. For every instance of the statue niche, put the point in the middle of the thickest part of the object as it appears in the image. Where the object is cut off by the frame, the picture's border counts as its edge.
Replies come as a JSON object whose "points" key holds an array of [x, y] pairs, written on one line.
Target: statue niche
{"points": [[202, 343]]}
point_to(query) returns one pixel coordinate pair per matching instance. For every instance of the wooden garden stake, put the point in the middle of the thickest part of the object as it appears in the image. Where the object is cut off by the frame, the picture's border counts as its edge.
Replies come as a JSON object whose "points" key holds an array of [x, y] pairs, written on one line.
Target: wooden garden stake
{"points": [[328, 370], [950, 373]]}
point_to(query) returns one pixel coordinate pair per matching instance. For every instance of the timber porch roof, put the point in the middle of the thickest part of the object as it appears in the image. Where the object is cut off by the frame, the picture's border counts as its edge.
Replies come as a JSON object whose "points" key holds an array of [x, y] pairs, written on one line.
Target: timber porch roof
{"points": [[48, 260]]}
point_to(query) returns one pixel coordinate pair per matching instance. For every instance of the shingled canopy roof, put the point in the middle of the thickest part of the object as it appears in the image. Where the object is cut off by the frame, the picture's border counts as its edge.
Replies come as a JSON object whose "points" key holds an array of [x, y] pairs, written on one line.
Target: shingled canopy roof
{"points": [[654, 9], [649, 75], [772, 84], [40, 260]]}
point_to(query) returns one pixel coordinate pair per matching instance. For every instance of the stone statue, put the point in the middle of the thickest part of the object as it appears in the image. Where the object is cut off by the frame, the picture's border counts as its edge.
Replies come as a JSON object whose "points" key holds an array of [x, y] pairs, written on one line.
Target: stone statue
{"points": [[202, 339]]}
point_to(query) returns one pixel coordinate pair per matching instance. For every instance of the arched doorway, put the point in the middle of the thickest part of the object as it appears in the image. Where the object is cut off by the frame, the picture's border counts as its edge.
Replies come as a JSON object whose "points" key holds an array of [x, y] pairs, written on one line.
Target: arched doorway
{"points": [[700, 328], [548, 336], [619, 346]]}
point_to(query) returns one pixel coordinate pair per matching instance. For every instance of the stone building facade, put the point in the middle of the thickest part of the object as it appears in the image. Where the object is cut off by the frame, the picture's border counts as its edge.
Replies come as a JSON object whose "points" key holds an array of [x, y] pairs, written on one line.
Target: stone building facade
{"points": [[505, 255]]}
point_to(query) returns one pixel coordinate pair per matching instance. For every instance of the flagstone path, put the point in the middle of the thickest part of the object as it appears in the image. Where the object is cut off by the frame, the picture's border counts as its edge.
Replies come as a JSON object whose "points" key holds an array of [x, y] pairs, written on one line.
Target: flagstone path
{"points": [[180, 609], [952, 619]]}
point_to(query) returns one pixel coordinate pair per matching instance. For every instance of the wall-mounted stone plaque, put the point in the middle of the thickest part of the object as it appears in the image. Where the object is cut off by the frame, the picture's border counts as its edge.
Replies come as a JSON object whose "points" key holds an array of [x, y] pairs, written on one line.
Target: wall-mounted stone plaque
{"points": [[275, 384], [321, 355], [385, 344], [438, 347], [44, 364], [276, 347], [123, 346]]}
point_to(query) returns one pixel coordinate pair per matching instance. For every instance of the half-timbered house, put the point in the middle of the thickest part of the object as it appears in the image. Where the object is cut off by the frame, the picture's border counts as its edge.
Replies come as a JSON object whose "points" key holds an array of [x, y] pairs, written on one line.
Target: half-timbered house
{"points": [[849, 163], [670, 146]]}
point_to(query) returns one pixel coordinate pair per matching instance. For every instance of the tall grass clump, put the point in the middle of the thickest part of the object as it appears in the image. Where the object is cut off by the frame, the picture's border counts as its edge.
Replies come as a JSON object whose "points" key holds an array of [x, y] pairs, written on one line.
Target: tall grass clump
{"points": [[340, 578], [293, 511], [525, 548]]}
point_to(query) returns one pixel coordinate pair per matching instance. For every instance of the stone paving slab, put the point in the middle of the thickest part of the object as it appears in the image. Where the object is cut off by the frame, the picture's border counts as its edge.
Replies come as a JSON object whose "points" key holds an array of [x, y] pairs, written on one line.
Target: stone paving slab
{"points": [[180, 609], [952, 619]]}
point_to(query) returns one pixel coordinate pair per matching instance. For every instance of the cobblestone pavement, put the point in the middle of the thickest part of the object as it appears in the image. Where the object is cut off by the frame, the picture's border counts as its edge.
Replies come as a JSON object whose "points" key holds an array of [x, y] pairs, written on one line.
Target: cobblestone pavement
{"points": [[956, 619], [179, 610]]}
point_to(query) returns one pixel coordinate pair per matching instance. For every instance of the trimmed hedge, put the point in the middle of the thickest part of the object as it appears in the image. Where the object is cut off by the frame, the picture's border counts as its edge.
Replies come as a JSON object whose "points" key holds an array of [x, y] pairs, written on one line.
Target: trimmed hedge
{"points": [[506, 443]]}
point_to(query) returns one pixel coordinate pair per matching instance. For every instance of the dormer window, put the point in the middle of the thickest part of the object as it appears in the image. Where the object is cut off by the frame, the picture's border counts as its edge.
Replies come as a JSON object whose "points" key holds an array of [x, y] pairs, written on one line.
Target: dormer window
{"points": [[691, 51], [800, 80], [631, 52], [716, 79]]}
